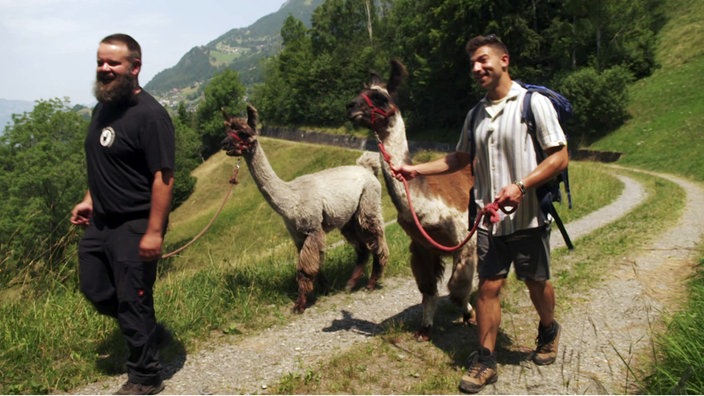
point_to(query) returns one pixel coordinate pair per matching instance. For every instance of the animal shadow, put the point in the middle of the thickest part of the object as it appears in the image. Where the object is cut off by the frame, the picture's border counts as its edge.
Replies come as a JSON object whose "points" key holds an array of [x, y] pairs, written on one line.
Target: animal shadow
{"points": [[451, 335]]}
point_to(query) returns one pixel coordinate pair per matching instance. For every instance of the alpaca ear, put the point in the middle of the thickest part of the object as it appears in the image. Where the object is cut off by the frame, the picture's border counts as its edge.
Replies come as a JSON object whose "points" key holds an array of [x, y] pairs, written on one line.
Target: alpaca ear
{"points": [[224, 114], [396, 77], [252, 117]]}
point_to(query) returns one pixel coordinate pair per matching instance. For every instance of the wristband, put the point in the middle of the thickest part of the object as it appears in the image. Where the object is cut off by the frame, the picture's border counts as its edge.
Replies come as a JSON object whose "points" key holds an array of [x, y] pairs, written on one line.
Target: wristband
{"points": [[521, 186]]}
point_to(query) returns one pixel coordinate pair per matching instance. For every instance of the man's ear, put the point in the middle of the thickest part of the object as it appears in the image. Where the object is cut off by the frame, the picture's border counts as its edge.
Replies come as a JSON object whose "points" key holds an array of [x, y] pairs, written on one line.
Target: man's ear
{"points": [[505, 60], [136, 66]]}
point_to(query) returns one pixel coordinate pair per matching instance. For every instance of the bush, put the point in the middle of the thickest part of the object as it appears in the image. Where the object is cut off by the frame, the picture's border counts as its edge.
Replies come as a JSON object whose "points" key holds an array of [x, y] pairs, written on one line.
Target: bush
{"points": [[599, 101]]}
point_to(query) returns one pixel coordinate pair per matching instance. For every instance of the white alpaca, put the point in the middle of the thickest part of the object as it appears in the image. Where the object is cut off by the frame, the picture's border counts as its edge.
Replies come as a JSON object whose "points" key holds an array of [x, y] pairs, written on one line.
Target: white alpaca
{"points": [[347, 198], [441, 203]]}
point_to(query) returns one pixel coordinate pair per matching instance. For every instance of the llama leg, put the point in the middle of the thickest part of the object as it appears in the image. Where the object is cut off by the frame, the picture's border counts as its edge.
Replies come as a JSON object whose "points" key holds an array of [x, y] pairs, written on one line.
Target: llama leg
{"points": [[460, 283], [309, 258], [427, 271]]}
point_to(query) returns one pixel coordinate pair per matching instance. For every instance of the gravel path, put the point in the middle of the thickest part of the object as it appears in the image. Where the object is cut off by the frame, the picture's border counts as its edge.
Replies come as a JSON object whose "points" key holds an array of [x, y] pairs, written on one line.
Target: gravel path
{"points": [[612, 324]]}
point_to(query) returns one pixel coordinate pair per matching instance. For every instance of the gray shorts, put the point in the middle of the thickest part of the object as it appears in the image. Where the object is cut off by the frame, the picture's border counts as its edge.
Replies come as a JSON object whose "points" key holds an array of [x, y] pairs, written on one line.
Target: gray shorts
{"points": [[528, 250]]}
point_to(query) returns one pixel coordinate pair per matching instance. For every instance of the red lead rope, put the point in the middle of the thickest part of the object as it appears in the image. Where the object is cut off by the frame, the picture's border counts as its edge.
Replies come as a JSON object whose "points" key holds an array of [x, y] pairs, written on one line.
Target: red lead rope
{"points": [[491, 210]]}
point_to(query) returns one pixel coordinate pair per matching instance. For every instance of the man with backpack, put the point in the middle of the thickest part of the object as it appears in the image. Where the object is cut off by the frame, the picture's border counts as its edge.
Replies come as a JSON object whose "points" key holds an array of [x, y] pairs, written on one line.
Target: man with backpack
{"points": [[507, 172]]}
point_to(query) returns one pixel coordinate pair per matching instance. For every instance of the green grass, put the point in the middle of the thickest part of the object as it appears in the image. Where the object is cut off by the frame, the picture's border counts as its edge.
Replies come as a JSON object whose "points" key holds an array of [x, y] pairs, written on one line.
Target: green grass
{"points": [[237, 279], [679, 367]]}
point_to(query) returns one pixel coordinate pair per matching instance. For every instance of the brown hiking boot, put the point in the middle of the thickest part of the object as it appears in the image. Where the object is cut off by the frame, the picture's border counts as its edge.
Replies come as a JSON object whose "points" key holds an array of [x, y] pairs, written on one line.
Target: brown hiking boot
{"points": [[547, 341], [131, 388], [481, 373]]}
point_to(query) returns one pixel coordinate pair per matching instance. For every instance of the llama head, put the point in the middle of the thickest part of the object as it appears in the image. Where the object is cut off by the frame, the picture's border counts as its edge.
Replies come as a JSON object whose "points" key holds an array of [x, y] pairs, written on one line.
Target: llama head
{"points": [[241, 133], [375, 106]]}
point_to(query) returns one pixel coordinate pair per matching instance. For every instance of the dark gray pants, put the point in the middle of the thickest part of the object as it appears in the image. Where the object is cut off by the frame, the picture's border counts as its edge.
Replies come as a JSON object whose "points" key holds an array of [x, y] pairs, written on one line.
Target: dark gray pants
{"points": [[119, 284]]}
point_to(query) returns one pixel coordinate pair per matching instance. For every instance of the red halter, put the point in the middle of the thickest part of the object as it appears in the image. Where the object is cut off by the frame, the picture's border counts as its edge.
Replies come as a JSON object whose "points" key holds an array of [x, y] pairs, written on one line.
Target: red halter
{"points": [[241, 144], [376, 110]]}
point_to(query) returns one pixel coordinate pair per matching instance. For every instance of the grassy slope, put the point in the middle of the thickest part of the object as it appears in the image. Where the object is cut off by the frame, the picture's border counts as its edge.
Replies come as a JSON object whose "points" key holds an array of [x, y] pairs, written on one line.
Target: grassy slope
{"points": [[666, 134], [667, 125]]}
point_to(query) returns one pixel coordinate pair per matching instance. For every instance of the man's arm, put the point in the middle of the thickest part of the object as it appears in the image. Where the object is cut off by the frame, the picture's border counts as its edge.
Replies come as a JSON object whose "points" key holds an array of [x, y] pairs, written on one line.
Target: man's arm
{"points": [[448, 164], [556, 161], [162, 191]]}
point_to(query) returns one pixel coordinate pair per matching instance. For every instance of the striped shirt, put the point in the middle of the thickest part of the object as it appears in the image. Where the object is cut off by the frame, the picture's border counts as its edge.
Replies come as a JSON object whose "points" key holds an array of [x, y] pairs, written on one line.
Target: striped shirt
{"points": [[505, 153]]}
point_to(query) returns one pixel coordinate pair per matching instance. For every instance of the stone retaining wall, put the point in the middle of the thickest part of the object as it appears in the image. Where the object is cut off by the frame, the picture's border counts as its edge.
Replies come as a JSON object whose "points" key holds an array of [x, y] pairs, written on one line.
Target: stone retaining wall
{"points": [[357, 143]]}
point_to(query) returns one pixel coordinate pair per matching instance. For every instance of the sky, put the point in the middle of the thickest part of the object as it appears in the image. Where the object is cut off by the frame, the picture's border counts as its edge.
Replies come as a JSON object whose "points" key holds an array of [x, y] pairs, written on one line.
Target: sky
{"points": [[49, 46]]}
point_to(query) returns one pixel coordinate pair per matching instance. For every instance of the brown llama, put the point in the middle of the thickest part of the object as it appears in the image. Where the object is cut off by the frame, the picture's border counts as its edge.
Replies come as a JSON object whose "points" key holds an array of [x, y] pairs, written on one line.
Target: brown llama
{"points": [[347, 198], [440, 202]]}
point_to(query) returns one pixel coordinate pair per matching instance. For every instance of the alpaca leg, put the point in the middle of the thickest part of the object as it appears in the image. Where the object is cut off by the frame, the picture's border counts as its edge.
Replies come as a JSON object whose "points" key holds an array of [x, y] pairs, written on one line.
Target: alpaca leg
{"points": [[427, 271], [380, 252], [460, 283], [352, 236], [308, 267], [371, 232]]}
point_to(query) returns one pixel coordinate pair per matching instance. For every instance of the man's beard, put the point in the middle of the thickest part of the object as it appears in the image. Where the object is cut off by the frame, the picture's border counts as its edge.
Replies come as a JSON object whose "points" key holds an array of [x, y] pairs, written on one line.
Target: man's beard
{"points": [[116, 91]]}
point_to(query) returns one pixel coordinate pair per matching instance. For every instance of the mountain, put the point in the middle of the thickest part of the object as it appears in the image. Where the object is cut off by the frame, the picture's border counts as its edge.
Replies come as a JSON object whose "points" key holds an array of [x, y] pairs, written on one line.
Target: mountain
{"points": [[241, 49], [10, 107]]}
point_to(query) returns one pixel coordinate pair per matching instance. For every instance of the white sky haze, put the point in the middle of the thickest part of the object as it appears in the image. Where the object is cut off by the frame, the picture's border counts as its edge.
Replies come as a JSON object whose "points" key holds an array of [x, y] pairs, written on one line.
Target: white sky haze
{"points": [[48, 47]]}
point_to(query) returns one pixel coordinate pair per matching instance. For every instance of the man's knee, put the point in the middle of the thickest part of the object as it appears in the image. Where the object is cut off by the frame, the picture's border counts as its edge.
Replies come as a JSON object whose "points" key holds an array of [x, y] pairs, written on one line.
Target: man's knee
{"points": [[104, 303], [490, 287]]}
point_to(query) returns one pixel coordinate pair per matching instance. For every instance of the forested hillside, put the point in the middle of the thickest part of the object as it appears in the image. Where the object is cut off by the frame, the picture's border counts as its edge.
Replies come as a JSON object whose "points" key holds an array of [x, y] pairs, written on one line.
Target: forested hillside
{"points": [[588, 51], [241, 49]]}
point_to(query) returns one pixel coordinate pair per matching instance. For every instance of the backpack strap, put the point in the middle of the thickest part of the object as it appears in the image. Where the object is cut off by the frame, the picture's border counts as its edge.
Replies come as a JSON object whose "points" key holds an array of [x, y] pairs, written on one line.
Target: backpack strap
{"points": [[546, 203], [528, 118]]}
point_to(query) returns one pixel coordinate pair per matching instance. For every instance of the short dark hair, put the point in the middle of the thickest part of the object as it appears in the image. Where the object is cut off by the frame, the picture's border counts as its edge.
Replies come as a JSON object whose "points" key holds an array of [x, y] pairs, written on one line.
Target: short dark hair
{"points": [[135, 50], [491, 40]]}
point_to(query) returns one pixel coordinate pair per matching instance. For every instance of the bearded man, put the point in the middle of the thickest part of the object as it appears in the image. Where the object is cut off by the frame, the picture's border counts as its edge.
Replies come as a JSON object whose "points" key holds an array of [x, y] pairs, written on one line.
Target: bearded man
{"points": [[130, 155]]}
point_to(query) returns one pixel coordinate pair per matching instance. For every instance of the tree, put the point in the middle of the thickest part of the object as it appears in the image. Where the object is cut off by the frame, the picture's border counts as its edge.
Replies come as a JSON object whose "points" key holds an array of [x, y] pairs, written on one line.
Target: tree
{"points": [[320, 69], [187, 159], [224, 91], [43, 176]]}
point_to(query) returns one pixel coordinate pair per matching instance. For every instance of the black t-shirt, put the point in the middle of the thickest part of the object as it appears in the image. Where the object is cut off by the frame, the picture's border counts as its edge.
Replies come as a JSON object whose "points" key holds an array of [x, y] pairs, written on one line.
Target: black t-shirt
{"points": [[125, 146]]}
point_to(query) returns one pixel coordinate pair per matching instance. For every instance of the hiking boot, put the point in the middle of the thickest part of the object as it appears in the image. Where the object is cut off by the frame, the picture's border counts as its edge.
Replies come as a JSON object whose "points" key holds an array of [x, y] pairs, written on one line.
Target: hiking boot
{"points": [[481, 372], [547, 342], [131, 388]]}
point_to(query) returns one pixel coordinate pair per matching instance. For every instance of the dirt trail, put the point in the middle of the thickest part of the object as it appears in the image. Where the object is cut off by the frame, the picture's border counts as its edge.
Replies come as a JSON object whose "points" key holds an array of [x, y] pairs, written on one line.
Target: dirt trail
{"points": [[612, 324]]}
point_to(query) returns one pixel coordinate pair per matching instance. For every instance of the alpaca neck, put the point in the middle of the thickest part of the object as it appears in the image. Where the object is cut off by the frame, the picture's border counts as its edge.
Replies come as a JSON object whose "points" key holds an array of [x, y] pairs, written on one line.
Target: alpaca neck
{"points": [[276, 191]]}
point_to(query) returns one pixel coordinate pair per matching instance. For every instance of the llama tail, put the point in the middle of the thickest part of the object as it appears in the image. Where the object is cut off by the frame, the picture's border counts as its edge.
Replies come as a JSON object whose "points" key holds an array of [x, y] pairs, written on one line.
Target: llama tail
{"points": [[370, 160]]}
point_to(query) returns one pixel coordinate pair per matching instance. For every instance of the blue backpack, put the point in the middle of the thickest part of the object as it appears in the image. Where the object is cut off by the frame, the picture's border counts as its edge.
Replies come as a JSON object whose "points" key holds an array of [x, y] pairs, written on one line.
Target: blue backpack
{"points": [[549, 192]]}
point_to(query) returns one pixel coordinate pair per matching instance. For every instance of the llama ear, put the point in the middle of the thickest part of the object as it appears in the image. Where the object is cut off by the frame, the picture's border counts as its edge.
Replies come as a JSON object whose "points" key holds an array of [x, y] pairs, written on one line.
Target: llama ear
{"points": [[396, 77], [374, 79], [252, 117]]}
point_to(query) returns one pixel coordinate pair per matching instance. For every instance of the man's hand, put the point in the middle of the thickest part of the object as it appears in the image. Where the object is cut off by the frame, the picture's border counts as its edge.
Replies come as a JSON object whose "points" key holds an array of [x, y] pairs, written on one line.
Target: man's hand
{"points": [[150, 246], [407, 172], [81, 214]]}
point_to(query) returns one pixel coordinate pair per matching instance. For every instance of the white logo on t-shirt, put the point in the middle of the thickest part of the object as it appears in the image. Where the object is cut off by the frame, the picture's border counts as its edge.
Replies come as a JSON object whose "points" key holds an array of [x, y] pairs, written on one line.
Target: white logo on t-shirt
{"points": [[107, 137]]}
